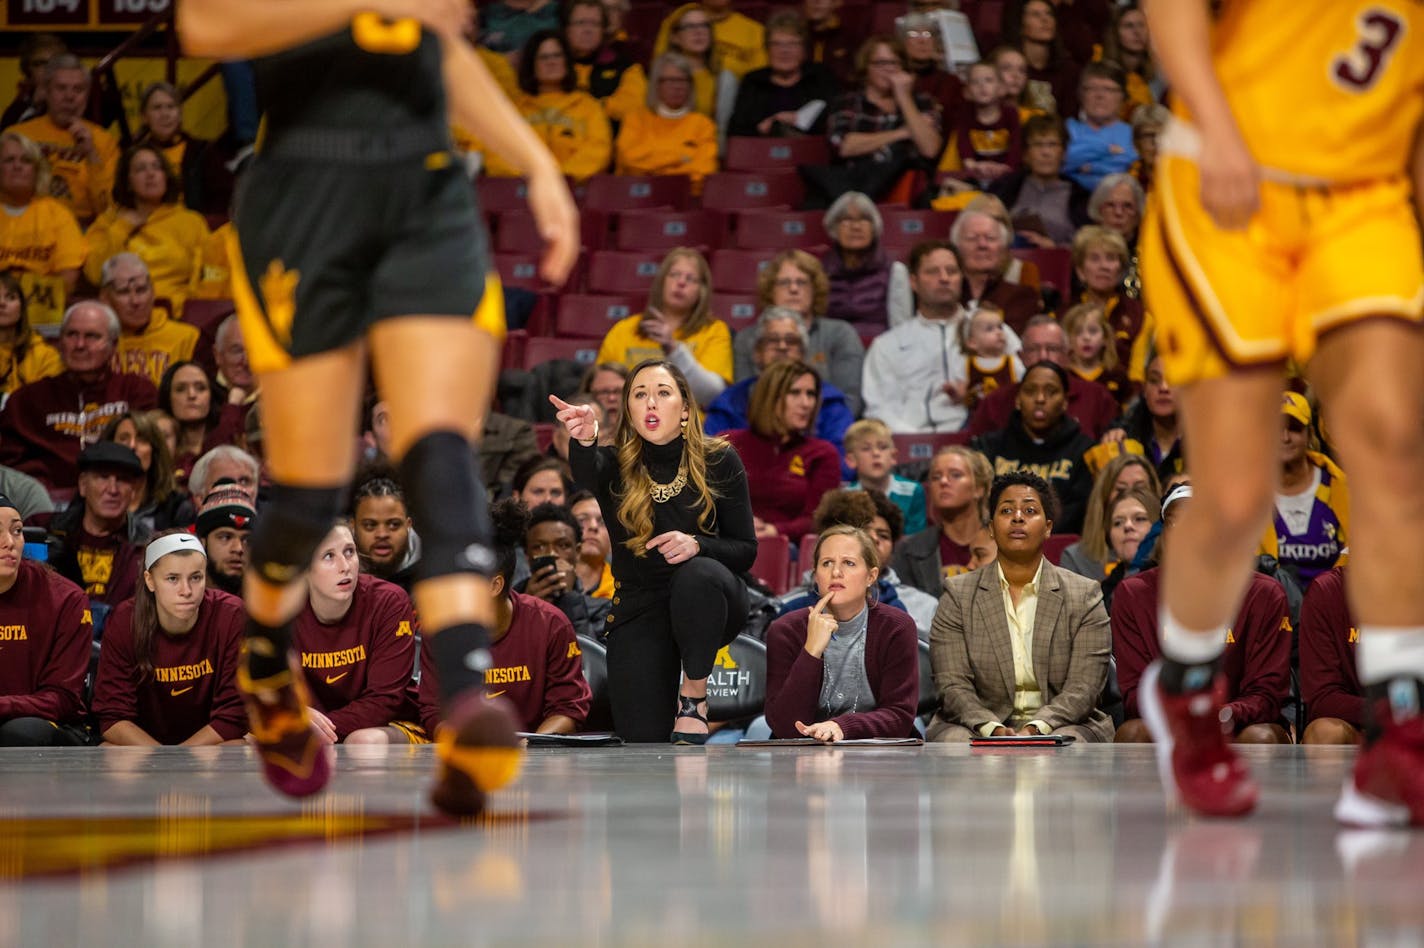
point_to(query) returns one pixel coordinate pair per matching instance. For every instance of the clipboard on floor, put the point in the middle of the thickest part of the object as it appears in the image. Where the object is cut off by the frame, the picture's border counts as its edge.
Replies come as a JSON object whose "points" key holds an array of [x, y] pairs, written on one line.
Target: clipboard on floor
{"points": [[591, 739], [812, 742]]}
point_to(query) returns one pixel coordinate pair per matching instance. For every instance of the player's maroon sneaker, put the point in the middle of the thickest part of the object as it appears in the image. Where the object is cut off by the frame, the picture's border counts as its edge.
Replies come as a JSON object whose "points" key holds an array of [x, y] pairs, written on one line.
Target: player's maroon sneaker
{"points": [[1387, 787], [295, 759], [479, 751], [1192, 732]]}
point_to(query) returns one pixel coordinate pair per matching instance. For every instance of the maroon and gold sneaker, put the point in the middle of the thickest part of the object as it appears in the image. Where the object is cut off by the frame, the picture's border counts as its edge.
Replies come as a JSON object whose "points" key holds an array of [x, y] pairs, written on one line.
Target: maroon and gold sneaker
{"points": [[296, 760], [1192, 732], [1387, 786], [479, 751]]}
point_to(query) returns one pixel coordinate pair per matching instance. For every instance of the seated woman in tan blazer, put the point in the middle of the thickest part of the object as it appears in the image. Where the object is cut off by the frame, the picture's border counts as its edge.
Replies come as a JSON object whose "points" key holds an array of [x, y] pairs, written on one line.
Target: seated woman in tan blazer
{"points": [[1020, 646]]}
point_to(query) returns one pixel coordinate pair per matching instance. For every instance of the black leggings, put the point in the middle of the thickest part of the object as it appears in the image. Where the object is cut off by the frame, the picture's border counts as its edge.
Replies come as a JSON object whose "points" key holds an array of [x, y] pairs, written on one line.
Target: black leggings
{"points": [[705, 609], [37, 732]]}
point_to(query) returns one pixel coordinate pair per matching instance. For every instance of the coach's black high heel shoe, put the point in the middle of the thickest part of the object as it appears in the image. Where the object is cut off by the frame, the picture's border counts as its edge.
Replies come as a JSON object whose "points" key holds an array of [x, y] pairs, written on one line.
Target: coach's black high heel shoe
{"points": [[687, 708]]}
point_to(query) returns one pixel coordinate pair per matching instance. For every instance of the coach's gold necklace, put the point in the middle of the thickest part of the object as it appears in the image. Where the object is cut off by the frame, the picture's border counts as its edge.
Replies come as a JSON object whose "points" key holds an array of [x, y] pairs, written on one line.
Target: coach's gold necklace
{"points": [[662, 493]]}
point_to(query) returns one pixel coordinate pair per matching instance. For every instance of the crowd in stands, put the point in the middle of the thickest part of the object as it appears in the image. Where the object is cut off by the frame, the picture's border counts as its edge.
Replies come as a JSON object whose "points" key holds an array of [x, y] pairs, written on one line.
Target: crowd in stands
{"points": [[940, 389]]}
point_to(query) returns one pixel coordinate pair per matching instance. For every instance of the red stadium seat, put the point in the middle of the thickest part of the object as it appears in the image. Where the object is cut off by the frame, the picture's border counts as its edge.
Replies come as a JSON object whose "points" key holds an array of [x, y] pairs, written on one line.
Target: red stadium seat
{"points": [[1056, 543], [663, 230], [737, 310], [519, 270], [617, 193], [905, 227], [543, 349], [543, 435], [751, 153], [497, 195], [586, 316], [1055, 265], [779, 230], [623, 271], [745, 191], [207, 314], [910, 448], [517, 231], [735, 271], [883, 16], [512, 356], [773, 563]]}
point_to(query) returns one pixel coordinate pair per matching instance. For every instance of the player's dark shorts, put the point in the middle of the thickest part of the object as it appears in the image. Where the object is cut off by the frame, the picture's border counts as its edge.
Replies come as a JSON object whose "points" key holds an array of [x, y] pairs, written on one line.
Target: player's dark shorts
{"points": [[330, 245]]}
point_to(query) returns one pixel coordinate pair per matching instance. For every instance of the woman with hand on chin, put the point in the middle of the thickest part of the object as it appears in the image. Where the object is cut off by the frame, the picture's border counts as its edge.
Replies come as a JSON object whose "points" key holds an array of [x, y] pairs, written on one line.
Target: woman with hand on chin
{"points": [[679, 519], [847, 667]]}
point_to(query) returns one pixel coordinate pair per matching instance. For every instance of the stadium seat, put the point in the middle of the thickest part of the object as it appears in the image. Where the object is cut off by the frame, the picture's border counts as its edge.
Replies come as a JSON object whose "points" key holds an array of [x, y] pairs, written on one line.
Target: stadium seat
{"points": [[883, 16], [519, 270], [779, 230], [1055, 265], [1054, 546], [207, 314], [497, 195], [663, 230], [773, 563], [623, 271], [737, 310], [595, 672], [905, 227], [517, 231], [735, 271], [590, 316], [512, 355], [753, 153], [910, 448], [745, 191], [615, 193], [541, 349], [929, 694], [736, 689]]}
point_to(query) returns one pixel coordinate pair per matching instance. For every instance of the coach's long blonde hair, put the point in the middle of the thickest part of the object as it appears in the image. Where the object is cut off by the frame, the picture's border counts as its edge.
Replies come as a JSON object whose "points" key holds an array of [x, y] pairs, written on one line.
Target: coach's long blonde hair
{"points": [[635, 497]]}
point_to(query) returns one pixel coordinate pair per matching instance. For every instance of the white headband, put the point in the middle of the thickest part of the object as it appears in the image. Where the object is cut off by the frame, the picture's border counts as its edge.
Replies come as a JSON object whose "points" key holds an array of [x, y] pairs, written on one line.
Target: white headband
{"points": [[173, 543]]}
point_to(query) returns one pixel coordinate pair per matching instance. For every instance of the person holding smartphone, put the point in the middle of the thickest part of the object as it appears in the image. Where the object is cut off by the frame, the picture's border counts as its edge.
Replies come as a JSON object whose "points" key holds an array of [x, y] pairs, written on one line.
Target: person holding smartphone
{"points": [[551, 544]]}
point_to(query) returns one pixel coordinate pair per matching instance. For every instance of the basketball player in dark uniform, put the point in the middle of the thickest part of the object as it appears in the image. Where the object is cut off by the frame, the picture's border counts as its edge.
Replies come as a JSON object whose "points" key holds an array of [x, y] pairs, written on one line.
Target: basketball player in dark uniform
{"points": [[358, 234]]}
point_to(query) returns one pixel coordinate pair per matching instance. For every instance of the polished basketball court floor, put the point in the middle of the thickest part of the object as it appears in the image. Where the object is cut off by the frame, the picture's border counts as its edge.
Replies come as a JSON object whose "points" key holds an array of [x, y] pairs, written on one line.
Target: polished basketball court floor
{"points": [[687, 847]]}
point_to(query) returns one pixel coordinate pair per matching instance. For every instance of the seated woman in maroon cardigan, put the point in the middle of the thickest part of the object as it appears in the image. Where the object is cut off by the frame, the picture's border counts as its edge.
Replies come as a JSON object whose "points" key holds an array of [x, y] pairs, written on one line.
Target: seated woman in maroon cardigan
{"points": [[356, 639], [847, 667], [168, 668], [787, 470]]}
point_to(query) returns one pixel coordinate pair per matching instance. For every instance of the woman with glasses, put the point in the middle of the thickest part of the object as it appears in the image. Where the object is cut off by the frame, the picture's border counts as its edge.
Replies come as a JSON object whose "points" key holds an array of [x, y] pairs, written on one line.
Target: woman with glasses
{"points": [[668, 136], [769, 99], [885, 127], [678, 326], [571, 123], [795, 280]]}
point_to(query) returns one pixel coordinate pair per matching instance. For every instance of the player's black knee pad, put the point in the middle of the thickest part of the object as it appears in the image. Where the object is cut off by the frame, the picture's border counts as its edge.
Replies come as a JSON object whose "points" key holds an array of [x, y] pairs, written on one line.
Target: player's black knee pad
{"points": [[294, 521], [447, 503]]}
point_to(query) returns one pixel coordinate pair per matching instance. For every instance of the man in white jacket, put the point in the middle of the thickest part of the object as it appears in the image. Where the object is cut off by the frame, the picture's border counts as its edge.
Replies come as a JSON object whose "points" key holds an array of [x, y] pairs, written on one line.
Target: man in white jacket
{"points": [[914, 373]]}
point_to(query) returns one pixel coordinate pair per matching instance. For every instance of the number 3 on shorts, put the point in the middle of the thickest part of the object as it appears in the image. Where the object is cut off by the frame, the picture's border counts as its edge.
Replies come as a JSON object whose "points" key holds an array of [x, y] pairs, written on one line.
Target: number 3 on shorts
{"points": [[389, 37], [1358, 69]]}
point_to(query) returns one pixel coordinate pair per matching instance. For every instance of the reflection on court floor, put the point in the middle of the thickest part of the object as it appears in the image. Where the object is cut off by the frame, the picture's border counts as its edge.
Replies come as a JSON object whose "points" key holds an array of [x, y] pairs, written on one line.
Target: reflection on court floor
{"points": [[789, 846]]}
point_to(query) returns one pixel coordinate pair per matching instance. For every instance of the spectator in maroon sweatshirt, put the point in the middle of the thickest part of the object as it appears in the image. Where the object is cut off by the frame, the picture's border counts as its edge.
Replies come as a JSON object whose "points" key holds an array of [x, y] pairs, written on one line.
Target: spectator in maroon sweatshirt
{"points": [[1254, 674], [45, 634], [787, 471], [536, 663], [168, 668], [847, 667], [45, 424], [356, 639], [1329, 680]]}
